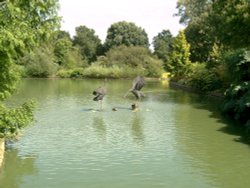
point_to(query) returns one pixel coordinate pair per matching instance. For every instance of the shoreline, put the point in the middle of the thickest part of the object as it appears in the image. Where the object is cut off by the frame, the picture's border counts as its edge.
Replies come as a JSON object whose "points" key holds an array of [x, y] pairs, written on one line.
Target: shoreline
{"points": [[190, 89]]}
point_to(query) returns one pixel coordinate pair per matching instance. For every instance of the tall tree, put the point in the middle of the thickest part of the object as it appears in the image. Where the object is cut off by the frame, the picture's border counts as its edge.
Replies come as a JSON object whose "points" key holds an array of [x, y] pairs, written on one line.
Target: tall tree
{"points": [[179, 57], [62, 47], [89, 43], [125, 33], [231, 22], [191, 10], [163, 45], [194, 14], [200, 40]]}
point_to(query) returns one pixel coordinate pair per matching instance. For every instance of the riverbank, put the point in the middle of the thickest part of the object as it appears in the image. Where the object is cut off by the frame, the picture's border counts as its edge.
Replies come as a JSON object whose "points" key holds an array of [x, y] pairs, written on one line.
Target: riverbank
{"points": [[2, 148], [190, 89]]}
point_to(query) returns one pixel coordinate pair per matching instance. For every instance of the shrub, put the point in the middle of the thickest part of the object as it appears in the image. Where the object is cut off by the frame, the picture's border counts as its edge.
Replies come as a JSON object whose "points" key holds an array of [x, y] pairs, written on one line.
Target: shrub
{"points": [[237, 101], [238, 65], [71, 73], [203, 79], [97, 71], [39, 63], [134, 57], [73, 59], [14, 119]]}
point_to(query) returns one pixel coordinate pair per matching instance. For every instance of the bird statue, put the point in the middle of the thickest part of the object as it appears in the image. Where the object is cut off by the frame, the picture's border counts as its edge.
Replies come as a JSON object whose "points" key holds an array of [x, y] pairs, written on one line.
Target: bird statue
{"points": [[138, 84], [99, 95]]}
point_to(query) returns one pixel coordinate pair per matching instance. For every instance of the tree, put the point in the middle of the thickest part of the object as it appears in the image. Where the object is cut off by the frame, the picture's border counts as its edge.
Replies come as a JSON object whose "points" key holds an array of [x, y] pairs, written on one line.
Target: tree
{"points": [[179, 57], [191, 11], [89, 43], [65, 54], [226, 22], [163, 45], [125, 33], [231, 22], [194, 14], [23, 25], [200, 40], [60, 34]]}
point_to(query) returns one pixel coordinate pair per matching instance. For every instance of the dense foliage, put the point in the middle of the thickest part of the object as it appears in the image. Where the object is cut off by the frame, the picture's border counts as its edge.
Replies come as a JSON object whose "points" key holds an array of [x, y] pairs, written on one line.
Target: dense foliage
{"points": [[163, 46], [179, 57], [12, 120], [125, 33], [23, 25], [120, 62], [89, 44], [39, 62], [237, 102]]}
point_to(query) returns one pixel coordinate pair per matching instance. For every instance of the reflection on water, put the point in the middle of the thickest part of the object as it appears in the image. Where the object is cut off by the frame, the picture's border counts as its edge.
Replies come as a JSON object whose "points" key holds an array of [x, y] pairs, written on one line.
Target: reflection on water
{"points": [[137, 129], [16, 168], [176, 139], [99, 126]]}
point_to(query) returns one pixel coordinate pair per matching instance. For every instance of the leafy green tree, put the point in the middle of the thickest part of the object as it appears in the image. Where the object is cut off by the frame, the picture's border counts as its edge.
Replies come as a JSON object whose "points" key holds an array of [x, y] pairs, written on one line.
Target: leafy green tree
{"points": [[194, 14], [125, 33], [60, 34], [12, 120], [179, 57], [231, 22], [89, 43], [200, 40], [61, 48], [23, 25], [163, 45], [66, 55], [190, 11], [226, 22]]}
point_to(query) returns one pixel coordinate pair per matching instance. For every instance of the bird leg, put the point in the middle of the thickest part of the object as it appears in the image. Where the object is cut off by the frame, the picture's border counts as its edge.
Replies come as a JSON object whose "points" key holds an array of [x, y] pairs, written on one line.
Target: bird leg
{"points": [[127, 93], [101, 108]]}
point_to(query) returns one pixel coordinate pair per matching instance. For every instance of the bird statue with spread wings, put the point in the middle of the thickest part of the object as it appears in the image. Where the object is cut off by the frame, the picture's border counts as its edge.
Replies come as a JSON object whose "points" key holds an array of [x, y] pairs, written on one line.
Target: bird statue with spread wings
{"points": [[137, 85]]}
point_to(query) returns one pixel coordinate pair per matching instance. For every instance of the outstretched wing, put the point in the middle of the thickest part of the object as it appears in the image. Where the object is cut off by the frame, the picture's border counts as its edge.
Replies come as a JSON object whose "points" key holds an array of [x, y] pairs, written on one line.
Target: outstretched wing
{"points": [[138, 83]]}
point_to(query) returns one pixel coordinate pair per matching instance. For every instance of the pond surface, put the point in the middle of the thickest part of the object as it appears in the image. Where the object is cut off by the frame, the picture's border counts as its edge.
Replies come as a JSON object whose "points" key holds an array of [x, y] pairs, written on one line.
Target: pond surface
{"points": [[176, 139]]}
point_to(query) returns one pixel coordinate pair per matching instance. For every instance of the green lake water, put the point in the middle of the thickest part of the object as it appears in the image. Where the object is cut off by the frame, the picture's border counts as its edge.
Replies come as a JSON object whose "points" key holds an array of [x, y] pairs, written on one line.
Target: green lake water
{"points": [[175, 139]]}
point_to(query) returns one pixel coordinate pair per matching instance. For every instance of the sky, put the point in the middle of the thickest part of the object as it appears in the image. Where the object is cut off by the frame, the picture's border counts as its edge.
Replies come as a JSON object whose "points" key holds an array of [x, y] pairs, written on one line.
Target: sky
{"points": [[151, 15]]}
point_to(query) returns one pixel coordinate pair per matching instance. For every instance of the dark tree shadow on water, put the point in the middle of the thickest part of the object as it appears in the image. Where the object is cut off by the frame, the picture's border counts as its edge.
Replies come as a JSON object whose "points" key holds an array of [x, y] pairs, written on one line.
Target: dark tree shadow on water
{"points": [[231, 126], [214, 105], [234, 128]]}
